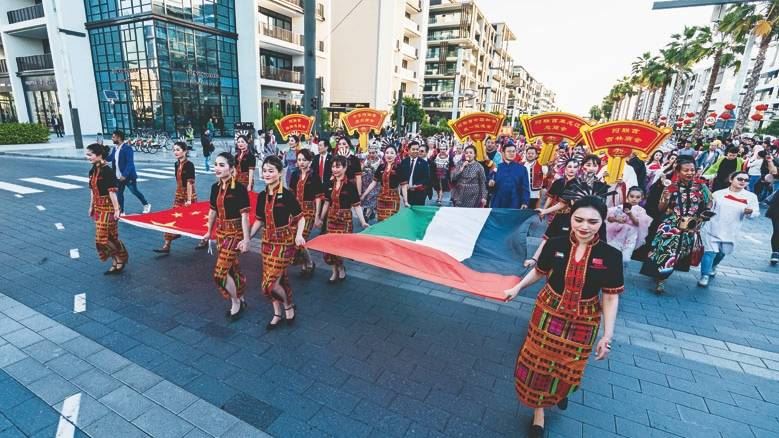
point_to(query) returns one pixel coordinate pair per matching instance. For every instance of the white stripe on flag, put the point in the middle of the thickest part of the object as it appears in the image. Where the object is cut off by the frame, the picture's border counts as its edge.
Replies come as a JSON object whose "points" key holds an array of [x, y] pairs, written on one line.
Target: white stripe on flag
{"points": [[153, 175], [75, 178], [19, 190], [467, 221], [51, 183]]}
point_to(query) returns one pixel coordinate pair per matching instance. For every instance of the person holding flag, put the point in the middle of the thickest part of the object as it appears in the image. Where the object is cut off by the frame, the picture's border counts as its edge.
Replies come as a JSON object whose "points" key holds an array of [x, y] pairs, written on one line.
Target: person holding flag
{"points": [[104, 209], [279, 215]]}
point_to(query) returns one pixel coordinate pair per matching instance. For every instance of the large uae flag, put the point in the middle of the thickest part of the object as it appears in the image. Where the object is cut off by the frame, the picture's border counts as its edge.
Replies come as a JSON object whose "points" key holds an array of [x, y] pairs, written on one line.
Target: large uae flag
{"points": [[477, 250]]}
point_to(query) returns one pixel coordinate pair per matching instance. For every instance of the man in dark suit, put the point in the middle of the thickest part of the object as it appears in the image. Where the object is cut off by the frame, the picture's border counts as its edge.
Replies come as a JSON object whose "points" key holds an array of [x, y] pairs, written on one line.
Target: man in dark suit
{"points": [[415, 174], [123, 164], [322, 164]]}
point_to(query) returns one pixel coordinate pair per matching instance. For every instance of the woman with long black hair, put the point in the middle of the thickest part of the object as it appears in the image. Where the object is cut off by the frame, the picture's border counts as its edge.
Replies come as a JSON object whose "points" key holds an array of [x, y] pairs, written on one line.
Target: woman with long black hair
{"points": [[104, 209]]}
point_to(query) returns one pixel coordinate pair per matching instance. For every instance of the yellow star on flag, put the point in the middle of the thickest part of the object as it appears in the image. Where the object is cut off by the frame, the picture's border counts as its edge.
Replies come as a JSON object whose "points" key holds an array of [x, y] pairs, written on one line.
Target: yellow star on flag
{"points": [[177, 214]]}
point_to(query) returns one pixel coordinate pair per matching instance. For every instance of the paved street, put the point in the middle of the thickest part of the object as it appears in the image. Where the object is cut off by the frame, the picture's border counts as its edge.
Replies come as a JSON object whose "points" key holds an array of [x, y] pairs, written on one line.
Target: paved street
{"points": [[379, 355]]}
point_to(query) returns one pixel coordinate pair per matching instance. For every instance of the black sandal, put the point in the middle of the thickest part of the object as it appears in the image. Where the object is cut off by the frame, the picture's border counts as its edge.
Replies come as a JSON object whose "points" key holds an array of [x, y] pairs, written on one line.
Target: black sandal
{"points": [[563, 404], [232, 317], [290, 321], [164, 250], [272, 326], [111, 271]]}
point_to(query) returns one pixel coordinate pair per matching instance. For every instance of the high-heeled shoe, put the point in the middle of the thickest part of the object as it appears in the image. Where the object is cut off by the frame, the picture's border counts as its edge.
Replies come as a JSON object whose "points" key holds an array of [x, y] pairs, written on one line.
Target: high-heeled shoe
{"points": [[563, 404], [309, 272], [536, 431], [272, 326], [332, 280], [291, 321], [343, 268], [232, 317], [162, 250]]}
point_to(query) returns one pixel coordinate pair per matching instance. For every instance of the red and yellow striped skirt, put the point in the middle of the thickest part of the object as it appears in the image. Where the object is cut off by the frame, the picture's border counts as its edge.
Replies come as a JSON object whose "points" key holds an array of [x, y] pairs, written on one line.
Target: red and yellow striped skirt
{"points": [[243, 178], [228, 234], [178, 201], [387, 204], [309, 210], [278, 252], [107, 240], [551, 362], [338, 222]]}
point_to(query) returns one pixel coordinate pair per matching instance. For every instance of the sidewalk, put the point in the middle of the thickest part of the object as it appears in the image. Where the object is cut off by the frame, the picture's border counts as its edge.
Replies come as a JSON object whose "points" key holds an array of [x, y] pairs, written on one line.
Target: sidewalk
{"points": [[65, 149]]}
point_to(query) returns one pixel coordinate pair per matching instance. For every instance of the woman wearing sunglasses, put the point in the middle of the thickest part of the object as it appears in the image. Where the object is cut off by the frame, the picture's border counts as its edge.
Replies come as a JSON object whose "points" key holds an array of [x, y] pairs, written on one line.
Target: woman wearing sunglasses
{"points": [[731, 206]]}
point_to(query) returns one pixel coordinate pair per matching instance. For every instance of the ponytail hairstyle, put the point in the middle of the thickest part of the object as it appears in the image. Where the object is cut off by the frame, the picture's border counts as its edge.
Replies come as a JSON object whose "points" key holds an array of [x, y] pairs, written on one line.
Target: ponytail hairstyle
{"points": [[231, 164], [183, 146], [99, 150]]}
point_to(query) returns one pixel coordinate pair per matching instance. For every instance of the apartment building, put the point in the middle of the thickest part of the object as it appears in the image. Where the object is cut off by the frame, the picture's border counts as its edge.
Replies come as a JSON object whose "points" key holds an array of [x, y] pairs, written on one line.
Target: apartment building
{"points": [[467, 59], [378, 47], [528, 96], [42, 55]]}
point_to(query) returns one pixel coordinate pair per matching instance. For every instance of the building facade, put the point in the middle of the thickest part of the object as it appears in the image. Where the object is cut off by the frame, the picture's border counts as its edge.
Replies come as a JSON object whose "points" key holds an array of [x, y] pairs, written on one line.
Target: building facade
{"points": [[43, 43], [377, 52], [467, 60]]}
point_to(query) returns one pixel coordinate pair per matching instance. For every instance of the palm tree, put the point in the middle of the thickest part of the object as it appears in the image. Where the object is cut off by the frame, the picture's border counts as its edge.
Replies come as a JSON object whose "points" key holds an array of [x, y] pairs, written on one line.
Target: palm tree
{"points": [[724, 49], [639, 78], [625, 86], [763, 21], [682, 53], [662, 74]]}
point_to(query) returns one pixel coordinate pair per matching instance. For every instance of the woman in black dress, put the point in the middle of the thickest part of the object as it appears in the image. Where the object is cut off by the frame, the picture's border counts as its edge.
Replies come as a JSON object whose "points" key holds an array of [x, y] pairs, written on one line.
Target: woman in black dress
{"points": [[104, 209], [309, 193], [353, 165], [245, 162]]}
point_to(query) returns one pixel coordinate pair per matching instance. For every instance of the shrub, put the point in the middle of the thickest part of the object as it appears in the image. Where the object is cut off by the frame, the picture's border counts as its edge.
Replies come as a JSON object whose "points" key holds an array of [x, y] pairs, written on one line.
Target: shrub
{"points": [[23, 133]]}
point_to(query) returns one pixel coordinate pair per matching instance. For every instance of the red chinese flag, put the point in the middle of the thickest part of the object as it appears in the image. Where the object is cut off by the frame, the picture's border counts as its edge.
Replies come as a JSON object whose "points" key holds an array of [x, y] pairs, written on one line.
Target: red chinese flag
{"points": [[189, 221]]}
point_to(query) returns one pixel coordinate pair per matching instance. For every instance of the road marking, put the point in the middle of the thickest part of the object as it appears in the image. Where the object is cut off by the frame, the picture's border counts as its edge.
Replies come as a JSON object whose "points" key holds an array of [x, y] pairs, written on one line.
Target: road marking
{"points": [[74, 253], [51, 183], [59, 226], [79, 303], [202, 172], [21, 190], [166, 170], [69, 416], [40, 208], [75, 178], [19, 196], [154, 175]]}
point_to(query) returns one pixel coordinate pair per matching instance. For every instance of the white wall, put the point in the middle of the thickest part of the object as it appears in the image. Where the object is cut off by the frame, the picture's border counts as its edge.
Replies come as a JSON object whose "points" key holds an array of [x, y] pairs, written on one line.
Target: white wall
{"points": [[354, 51], [248, 48]]}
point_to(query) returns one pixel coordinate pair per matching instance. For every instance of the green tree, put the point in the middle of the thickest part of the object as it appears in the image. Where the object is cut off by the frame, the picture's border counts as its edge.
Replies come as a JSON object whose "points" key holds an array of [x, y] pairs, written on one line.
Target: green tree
{"points": [[324, 120], [640, 79], [412, 112], [661, 74], [724, 49], [684, 50], [595, 112], [271, 116], [771, 129], [760, 20]]}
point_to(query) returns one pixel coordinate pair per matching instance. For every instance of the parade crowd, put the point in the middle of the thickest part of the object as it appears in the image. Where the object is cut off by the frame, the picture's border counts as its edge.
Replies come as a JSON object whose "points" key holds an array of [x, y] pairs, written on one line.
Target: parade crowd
{"points": [[682, 206]]}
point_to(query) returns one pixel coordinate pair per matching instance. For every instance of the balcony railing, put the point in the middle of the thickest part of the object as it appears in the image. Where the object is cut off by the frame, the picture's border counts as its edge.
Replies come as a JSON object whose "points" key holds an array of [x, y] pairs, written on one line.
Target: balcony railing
{"points": [[281, 74], [282, 34], [34, 62], [3, 66], [297, 3], [24, 14]]}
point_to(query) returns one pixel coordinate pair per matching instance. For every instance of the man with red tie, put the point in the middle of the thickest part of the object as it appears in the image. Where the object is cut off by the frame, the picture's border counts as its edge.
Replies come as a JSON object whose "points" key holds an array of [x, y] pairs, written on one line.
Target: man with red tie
{"points": [[322, 164]]}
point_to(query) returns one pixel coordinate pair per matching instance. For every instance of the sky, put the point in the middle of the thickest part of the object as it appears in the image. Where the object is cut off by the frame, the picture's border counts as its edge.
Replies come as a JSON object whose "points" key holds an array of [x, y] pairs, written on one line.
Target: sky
{"points": [[580, 48]]}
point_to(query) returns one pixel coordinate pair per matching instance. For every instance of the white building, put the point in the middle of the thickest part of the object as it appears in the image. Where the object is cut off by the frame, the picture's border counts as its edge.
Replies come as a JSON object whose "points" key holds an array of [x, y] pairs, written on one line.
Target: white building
{"points": [[45, 53], [377, 49]]}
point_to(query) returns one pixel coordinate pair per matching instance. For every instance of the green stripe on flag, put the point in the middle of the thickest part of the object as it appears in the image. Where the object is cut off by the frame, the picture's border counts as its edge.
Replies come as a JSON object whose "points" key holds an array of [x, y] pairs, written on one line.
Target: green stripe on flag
{"points": [[408, 224]]}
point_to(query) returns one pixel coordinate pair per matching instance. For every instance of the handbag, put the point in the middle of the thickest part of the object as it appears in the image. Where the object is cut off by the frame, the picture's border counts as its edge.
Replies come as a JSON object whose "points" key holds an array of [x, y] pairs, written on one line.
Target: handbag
{"points": [[697, 251]]}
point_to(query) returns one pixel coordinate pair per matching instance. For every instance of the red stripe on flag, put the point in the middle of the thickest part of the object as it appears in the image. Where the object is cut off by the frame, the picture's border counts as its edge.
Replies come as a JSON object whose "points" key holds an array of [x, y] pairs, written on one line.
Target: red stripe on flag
{"points": [[415, 260]]}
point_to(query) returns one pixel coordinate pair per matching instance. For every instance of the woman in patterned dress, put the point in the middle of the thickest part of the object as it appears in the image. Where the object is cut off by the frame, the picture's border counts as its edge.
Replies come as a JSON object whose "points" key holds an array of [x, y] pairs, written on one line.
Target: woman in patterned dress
{"points": [[388, 201], [353, 165], [185, 191], [567, 314], [471, 181], [229, 212], [309, 194], [279, 215], [341, 198], [104, 209], [370, 194], [245, 162], [291, 158], [684, 205]]}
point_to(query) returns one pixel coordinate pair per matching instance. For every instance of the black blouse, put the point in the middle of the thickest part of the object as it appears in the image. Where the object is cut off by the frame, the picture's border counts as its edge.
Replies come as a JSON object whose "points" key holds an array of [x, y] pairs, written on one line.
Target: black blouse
{"points": [[353, 167], [347, 197], [229, 203], [285, 208], [102, 180], [601, 272], [184, 173], [312, 186], [245, 162], [394, 175]]}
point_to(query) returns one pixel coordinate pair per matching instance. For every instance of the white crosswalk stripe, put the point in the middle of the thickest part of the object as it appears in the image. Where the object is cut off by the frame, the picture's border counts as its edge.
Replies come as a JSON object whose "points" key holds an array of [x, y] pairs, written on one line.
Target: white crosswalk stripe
{"points": [[51, 183], [198, 171], [19, 190], [153, 175], [85, 179]]}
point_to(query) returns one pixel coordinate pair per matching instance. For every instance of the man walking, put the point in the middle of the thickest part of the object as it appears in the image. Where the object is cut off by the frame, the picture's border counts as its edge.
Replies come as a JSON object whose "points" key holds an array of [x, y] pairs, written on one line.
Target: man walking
{"points": [[536, 174], [415, 174], [510, 182], [123, 163], [55, 125]]}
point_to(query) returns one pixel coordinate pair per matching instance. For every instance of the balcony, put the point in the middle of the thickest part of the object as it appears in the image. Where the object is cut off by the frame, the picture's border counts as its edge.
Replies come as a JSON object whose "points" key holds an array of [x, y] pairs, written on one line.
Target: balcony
{"points": [[25, 14], [415, 5], [282, 34], [34, 62], [412, 25], [407, 50], [444, 20], [292, 3], [320, 11], [281, 74], [3, 67]]}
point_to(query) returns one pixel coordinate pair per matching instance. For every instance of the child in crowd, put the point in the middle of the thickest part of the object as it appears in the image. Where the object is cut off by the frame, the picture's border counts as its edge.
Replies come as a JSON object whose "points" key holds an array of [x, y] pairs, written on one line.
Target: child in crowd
{"points": [[627, 224]]}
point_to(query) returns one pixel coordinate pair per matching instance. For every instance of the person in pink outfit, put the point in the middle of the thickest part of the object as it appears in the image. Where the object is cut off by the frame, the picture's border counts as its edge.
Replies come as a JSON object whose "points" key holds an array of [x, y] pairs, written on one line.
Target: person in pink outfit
{"points": [[627, 224]]}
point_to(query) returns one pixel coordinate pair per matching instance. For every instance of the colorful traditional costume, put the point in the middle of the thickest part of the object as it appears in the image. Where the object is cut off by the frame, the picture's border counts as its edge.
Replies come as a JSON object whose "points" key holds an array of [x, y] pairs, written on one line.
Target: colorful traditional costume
{"points": [[388, 202], [471, 184], [279, 212], [564, 323], [245, 163], [341, 197], [307, 189], [102, 181], [185, 175], [230, 202]]}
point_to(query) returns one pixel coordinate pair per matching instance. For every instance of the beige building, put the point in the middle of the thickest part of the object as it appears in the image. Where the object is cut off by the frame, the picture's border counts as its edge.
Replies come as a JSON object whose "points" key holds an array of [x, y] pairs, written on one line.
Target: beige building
{"points": [[526, 95], [460, 30], [376, 52]]}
